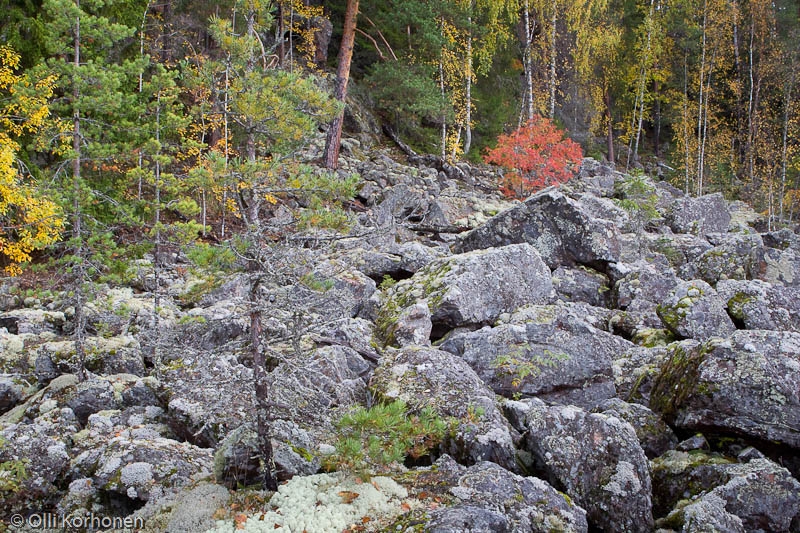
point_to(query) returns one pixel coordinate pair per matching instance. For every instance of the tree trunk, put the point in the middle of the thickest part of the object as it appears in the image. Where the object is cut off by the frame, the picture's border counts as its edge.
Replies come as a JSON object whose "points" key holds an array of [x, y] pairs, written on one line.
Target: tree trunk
{"points": [[610, 131], [468, 114], [528, 61], [262, 391], [334, 138], [77, 230]]}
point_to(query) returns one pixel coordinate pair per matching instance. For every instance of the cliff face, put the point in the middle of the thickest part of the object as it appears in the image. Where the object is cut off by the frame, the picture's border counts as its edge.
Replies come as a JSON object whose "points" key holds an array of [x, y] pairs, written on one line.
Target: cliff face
{"points": [[573, 339]]}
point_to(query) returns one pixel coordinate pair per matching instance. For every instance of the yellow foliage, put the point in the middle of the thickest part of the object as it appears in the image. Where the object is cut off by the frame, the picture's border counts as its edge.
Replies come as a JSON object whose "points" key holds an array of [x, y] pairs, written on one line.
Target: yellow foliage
{"points": [[28, 221]]}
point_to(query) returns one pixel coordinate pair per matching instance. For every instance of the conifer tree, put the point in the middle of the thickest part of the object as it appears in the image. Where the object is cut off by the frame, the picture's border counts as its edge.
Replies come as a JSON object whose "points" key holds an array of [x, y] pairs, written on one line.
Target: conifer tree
{"points": [[98, 99]]}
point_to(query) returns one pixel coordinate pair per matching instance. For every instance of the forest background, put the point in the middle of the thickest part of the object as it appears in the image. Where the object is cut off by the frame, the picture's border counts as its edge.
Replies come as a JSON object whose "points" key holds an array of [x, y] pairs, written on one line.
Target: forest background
{"points": [[174, 120]]}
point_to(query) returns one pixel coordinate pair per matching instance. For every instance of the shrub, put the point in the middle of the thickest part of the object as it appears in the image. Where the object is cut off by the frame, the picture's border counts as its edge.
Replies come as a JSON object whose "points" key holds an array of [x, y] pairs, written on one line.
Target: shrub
{"points": [[376, 438], [535, 156]]}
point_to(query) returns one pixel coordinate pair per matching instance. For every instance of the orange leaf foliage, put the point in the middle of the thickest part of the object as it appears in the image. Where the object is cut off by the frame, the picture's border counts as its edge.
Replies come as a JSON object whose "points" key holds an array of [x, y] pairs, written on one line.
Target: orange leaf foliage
{"points": [[535, 156]]}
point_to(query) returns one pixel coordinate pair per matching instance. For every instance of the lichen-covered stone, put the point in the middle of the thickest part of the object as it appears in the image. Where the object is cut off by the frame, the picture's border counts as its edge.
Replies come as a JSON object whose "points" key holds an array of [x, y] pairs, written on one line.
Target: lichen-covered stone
{"points": [[427, 377], [594, 458], [544, 351], [699, 215], [581, 284], [562, 230], [760, 494], [489, 498], [738, 256], [694, 310], [760, 305], [472, 288], [748, 384], [654, 435]]}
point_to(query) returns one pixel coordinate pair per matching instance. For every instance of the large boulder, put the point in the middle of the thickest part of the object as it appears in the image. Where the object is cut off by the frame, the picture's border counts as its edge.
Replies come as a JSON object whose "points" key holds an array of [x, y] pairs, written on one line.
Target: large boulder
{"points": [[736, 256], [699, 215], [760, 305], [489, 498], [546, 351], [470, 289], [694, 310], [596, 459], [581, 284], [760, 495], [427, 377], [654, 435], [748, 384], [563, 230]]}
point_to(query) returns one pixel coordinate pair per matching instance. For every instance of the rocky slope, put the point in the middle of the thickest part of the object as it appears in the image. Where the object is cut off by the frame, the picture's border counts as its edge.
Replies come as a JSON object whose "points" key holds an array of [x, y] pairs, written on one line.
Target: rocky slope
{"points": [[614, 358]]}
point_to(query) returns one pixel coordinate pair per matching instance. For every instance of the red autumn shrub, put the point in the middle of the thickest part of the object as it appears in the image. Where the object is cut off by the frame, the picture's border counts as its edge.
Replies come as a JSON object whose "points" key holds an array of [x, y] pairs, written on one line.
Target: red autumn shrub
{"points": [[535, 156]]}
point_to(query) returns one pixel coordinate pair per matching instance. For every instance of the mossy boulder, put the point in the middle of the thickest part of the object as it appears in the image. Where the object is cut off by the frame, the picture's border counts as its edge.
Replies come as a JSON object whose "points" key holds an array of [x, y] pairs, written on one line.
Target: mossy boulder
{"points": [[694, 310], [746, 385], [474, 288]]}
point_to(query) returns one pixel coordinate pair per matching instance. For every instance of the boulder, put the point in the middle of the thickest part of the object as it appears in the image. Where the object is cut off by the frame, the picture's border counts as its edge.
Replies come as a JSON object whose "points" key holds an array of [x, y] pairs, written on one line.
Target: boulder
{"points": [[737, 256], [426, 377], [761, 495], [562, 230], [679, 249], [748, 385], [597, 460], [654, 435], [760, 305], [41, 447], [490, 498], [237, 460], [474, 288], [594, 458], [699, 215], [694, 310], [581, 284], [310, 390], [782, 267], [544, 351], [636, 370]]}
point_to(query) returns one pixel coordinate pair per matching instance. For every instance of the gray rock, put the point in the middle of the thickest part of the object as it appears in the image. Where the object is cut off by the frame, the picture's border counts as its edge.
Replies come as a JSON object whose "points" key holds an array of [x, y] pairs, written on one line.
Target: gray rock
{"points": [[636, 370], [544, 351], [33, 321], [760, 305], [43, 446], [10, 393], [237, 458], [143, 468], [310, 389], [761, 494], [427, 377], [707, 515], [694, 310], [581, 284], [466, 519], [654, 435], [560, 228], [597, 460], [413, 326], [493, 499], [684, 475], [679, 249], [748, 384], [783, 267], [738, 256], [471, 289], [699, 216]]}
